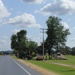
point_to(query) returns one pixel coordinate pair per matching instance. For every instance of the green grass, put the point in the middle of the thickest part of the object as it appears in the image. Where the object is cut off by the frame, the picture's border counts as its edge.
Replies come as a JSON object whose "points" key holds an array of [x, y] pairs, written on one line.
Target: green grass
{"points": [[70, 61], [62, 70]]}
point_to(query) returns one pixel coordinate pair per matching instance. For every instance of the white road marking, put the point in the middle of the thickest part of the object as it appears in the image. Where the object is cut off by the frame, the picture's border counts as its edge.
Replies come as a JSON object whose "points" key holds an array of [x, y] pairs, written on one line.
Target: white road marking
{"points": [[22, 67]]}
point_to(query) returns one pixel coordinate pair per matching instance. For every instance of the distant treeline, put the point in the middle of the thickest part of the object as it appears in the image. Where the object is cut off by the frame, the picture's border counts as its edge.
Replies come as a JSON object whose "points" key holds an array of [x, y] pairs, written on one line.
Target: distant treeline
{"points": [[6, 52]]}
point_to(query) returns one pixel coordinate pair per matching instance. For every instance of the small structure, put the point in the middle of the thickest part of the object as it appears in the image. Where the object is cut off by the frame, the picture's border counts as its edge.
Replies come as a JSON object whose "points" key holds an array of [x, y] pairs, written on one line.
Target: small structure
{"points": [[59, 56]]}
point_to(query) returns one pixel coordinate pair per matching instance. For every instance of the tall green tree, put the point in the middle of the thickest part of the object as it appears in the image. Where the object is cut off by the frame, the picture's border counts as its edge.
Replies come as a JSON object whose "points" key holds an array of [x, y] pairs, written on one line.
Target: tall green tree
{"points": [[14, 42], [56, 34], [19, 43]]}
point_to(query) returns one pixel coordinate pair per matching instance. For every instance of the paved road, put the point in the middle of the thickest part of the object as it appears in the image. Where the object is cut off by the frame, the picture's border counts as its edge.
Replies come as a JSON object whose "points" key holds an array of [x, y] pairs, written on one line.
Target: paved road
{"points": [[9, 66]]}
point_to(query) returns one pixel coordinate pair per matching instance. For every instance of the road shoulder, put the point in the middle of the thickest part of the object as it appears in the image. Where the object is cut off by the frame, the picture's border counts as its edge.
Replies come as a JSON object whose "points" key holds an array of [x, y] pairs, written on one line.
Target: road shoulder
{"points": [[37, 68]]}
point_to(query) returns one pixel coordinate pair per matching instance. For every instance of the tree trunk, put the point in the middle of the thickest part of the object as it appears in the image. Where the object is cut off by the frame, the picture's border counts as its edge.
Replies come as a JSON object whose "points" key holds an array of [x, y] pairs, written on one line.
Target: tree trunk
{"points": [[49, 52]]}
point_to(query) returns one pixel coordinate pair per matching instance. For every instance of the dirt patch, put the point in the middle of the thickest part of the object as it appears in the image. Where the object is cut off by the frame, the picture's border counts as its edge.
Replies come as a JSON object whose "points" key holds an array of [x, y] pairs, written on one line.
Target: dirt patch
{"points": [[39, 69]]}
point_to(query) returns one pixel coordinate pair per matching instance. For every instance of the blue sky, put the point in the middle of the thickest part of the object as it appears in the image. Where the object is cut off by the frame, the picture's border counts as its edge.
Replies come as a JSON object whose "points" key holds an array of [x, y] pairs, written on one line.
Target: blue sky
{"points": [[32, 15]]}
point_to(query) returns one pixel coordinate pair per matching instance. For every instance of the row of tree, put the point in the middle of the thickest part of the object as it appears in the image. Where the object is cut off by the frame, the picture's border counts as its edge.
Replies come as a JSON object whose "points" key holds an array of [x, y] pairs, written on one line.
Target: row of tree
{"points": [[64, 50], [55, 41]]}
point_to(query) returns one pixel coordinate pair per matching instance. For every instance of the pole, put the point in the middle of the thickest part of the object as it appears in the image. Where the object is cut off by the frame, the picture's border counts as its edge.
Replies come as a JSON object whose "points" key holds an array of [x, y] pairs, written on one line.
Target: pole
{"points": [[43, 31], [43, 44]]}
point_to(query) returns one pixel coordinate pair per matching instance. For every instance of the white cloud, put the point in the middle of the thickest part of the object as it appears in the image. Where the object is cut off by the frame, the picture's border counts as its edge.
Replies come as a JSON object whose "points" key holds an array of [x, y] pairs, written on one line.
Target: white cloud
{"points": [[66, 26], [24, 20], [5, 37], [38, 40], [2, 41], [33, 1], [73, 27], [3, 11], [59, 7], [73, 39], [15, 31], [5, 43]]}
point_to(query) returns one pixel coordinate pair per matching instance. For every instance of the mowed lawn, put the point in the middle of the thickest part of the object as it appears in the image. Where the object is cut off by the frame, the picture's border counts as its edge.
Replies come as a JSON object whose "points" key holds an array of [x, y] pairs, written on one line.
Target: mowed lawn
{"points": [[70, 60], [62, 70]]}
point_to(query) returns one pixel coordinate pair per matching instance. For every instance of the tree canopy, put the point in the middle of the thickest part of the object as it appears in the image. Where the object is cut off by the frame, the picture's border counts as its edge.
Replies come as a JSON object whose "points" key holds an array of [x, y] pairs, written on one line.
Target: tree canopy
{"points": [[19, 43], [21, 46], [56, 34]]}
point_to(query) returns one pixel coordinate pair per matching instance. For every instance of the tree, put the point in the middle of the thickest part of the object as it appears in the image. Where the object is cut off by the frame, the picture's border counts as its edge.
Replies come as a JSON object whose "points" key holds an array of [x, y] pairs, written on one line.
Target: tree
{"points": [[32, 47], [19, 43], [73, 51], [66, 50], [39, 49], [56, 34], [14, 45]]}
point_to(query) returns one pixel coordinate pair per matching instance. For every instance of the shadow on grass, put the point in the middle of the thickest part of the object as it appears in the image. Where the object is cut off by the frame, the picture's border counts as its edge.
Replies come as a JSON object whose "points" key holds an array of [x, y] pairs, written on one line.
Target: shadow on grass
{"points": [[68, 71]]}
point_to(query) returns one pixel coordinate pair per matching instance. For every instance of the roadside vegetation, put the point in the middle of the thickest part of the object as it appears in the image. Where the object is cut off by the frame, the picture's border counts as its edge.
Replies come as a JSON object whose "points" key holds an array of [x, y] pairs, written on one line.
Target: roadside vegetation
{"points": [[58, 69], [54, 45], [55, 41]]}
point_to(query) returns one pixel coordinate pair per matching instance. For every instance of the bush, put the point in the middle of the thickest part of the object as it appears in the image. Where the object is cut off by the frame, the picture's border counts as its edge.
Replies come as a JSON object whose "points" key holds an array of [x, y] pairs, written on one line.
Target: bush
{"points": [[29, 57]]}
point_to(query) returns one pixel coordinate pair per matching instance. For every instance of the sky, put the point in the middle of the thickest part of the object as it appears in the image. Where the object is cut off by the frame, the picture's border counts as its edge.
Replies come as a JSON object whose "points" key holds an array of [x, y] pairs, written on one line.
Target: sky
{"points": [[31, 15]]}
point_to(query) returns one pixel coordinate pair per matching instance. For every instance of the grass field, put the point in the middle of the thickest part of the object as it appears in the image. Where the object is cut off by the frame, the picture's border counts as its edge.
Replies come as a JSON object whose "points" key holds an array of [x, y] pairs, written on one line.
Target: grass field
{"points": [[70, 60], [62, 70]]}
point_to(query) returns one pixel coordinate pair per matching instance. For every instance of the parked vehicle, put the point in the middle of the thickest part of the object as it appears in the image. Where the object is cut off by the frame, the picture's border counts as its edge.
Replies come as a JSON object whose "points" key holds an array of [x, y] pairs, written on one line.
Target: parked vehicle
{"points": [[39, 57]]}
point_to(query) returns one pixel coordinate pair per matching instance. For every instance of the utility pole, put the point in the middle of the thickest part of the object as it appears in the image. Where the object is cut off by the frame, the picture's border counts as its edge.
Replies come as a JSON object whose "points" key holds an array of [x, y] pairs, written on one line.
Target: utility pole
{"points": [[43, 31]]}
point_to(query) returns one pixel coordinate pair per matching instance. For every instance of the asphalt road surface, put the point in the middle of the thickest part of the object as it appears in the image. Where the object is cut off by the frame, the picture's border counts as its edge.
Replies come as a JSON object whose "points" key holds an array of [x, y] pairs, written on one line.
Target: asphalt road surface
{"points": [[9, 66]]}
